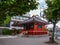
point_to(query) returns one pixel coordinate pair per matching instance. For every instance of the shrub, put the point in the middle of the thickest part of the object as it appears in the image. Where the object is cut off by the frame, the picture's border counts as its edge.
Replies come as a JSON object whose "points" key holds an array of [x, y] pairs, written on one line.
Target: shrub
{"points": [[6, 31]]}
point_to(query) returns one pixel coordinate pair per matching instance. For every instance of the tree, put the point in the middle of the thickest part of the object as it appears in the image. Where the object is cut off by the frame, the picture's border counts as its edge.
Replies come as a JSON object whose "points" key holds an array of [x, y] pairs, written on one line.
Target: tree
{"points": [[52, 14], [15, 7]]}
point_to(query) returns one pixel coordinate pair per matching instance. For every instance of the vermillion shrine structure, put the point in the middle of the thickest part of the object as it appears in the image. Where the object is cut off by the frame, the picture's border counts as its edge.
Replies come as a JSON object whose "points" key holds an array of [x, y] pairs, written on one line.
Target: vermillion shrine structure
{"points": [[33, 26]]}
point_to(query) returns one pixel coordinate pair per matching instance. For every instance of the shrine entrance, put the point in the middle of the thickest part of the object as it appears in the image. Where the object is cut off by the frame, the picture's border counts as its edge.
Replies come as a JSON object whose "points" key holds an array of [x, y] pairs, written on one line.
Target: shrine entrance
{"points": [[29, 26]]}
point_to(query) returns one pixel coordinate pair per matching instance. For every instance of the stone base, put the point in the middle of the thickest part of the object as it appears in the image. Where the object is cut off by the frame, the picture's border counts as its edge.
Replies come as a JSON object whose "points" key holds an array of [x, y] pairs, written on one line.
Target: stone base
{"points": [[37, 33]]}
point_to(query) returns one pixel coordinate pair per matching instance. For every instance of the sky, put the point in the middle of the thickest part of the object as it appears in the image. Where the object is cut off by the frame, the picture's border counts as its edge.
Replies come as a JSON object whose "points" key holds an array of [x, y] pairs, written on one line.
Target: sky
{"points": [[40, 8], [41, 5]]}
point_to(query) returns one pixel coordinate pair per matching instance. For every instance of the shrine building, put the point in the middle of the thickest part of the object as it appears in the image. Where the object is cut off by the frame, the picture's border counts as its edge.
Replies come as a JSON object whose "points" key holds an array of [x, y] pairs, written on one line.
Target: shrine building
{"points": [[33, 25]]}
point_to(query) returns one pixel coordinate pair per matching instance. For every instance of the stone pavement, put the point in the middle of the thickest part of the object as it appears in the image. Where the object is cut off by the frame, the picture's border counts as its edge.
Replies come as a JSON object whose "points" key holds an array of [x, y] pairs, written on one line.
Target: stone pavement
{"points": [[7, 36], [26, 41]]}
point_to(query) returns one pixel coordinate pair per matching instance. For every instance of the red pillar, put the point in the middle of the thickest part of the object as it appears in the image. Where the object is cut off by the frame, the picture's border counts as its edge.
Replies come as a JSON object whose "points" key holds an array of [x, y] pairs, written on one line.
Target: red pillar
{"points": [[35, 27]]}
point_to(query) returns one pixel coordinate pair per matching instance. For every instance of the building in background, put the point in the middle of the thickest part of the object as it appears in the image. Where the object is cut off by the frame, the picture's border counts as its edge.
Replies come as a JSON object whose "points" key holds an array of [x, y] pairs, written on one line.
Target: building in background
{"points": [[16, 19]]}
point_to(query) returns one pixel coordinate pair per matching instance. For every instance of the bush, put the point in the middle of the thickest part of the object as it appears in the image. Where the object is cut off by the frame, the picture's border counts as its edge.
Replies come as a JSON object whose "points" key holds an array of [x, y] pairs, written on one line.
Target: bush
{"points": [[9, 32], [6, 31]]}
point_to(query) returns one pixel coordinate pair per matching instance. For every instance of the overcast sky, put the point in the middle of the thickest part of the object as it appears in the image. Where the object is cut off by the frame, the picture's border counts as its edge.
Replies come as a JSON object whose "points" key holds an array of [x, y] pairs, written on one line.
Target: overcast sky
{"points": [[40, 8]]}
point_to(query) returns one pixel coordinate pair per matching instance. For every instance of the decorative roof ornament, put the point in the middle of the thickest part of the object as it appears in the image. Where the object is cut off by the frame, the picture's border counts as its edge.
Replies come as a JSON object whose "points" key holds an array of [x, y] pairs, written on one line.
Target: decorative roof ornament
{"points": [[35, 15]]}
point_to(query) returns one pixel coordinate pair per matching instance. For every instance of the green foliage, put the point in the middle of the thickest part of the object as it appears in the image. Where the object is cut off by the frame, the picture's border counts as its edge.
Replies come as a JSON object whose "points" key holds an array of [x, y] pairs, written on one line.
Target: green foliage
{"points": [[6, 31], [15, 7], [22, 6], [7, 20], [53, 15], [53, 11]]}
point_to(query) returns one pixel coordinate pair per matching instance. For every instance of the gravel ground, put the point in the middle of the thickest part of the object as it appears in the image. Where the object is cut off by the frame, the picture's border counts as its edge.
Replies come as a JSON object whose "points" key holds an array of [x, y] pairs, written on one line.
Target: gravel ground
{"points": [[26, 41]]}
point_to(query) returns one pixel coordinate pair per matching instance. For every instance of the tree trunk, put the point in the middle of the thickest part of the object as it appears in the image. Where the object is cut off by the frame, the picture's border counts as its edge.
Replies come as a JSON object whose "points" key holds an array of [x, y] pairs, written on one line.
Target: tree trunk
{"points": [[53, 31]]}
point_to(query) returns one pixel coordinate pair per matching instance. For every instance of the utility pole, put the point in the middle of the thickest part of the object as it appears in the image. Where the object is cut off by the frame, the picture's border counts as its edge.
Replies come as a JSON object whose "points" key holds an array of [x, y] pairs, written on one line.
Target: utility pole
{"points": [[40, 10]]}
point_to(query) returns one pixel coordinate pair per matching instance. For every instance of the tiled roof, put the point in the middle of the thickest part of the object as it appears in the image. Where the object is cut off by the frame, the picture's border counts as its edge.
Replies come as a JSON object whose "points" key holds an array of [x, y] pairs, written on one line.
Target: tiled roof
{"points": [[34, 19], [31, 19]]}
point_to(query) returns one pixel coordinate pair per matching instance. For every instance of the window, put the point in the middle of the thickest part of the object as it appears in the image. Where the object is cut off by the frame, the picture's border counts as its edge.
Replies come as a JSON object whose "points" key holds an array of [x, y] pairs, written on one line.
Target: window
{"points": [[39, 26], [32, 26]]}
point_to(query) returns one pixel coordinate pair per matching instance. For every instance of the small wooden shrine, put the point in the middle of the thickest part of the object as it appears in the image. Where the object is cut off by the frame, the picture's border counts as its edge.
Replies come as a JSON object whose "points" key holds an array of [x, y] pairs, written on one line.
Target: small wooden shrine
{"points": [[34, 26]]}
